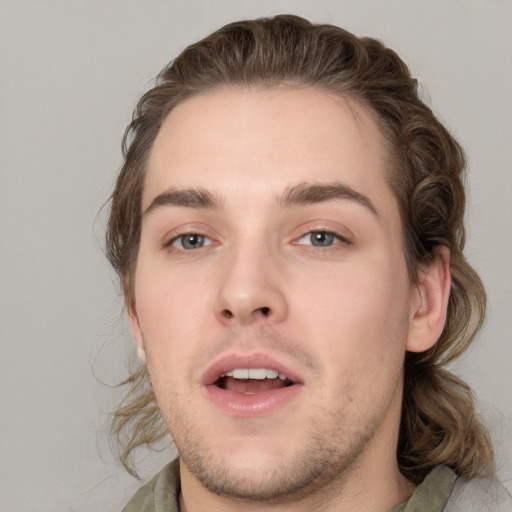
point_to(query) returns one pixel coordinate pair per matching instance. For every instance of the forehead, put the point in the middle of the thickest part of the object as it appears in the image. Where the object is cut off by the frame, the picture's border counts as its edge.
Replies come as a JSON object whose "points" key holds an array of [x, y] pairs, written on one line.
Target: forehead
{"points": [[262, 141]]}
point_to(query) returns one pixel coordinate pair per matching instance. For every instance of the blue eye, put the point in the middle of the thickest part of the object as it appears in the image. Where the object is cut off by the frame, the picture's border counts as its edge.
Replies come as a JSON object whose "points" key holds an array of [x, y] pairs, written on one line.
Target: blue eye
{"points": [[191, 241], [320, 239]]}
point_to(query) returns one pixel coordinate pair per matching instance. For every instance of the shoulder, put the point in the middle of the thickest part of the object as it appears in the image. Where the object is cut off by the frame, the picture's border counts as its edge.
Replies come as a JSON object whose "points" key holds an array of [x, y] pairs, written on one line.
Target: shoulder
{"points": [[160, 494], [478, 494]]}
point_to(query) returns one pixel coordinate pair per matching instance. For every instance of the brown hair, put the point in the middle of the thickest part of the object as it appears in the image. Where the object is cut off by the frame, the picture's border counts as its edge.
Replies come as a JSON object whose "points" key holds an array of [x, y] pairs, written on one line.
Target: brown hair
{"points": [[439, 424]]}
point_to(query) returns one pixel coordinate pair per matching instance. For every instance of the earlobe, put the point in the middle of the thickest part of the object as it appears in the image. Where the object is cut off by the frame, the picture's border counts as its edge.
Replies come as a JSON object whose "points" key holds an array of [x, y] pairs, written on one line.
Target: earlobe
{"points": [[141, 353], [429, 303], [137, 333]]}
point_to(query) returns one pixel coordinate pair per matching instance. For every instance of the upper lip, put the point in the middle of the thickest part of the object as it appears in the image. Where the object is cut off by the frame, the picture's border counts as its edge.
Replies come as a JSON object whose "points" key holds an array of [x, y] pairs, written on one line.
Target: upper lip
{"points": [[230, 361]]}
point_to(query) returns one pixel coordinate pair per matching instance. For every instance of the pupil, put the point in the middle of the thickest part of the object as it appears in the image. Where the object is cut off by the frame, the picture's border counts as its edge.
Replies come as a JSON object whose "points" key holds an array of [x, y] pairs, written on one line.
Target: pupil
{"points": [[321, 238]]}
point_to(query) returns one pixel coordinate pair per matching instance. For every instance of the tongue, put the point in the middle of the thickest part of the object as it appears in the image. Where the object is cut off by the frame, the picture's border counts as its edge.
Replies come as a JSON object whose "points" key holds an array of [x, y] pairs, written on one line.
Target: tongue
{"points": [[252, 385]]}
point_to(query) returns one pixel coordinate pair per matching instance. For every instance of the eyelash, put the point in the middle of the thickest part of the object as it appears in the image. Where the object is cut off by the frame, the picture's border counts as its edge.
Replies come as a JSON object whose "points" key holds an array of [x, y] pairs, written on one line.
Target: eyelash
{"points": [[337, 238], [182, 237]]}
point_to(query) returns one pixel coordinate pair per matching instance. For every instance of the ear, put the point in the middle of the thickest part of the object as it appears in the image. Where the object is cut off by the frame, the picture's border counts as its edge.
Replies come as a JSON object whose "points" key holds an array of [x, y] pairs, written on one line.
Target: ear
{"points": [[429, 303], [136, 330]]}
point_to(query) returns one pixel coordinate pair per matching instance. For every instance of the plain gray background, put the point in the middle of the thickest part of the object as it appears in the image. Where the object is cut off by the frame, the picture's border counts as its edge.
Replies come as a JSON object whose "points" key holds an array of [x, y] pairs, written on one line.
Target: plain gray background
{"points": [[70, 74]]}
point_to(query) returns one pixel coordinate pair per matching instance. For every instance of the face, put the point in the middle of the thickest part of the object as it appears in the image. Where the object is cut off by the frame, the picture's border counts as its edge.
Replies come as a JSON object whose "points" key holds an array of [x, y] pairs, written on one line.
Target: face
{"points": [[272, 301]]}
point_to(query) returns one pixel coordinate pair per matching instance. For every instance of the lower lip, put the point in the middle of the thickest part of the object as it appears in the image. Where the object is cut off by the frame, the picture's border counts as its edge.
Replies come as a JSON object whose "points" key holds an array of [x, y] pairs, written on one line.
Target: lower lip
{"points": [[249, 406]]}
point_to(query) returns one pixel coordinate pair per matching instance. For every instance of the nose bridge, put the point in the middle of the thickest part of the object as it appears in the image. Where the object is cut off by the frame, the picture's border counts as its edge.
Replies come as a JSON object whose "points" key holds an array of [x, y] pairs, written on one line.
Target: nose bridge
{"points": [[249, 287]]}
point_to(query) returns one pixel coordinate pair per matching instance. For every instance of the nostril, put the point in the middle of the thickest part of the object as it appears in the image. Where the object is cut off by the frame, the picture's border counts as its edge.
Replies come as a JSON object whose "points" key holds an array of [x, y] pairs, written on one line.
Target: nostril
{"points": [[264, 311]]}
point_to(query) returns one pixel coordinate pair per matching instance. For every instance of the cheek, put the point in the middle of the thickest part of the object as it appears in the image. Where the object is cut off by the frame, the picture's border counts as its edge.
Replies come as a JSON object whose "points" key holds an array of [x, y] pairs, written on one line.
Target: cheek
{"points": [[357, 317], [360, 346], [169, 320], [168, 335], [168, 300]]}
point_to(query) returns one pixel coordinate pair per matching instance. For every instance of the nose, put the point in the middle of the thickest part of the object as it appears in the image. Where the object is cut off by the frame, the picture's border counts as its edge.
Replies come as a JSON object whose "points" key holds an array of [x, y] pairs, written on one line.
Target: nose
{"points": [[250, 289]]}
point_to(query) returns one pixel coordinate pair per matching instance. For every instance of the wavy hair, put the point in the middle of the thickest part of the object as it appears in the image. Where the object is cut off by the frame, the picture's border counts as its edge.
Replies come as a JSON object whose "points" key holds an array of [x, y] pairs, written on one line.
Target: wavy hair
{"points": [[439, 423]]}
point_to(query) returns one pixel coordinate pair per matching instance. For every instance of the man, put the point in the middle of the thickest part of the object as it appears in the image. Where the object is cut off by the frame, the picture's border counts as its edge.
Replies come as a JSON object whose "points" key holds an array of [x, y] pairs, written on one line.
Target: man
{"points": [[288, 230]]}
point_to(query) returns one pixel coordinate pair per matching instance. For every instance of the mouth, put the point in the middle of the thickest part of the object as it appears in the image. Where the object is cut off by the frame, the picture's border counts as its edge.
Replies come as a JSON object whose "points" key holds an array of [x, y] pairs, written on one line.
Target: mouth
{"points": [[248, 386], [251, 381]]}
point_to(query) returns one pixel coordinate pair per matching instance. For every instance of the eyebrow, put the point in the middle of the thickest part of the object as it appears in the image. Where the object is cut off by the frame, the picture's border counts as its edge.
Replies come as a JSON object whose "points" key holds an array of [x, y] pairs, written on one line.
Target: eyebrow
{"points": [[187, 198], [299, 195], [312, 193]]}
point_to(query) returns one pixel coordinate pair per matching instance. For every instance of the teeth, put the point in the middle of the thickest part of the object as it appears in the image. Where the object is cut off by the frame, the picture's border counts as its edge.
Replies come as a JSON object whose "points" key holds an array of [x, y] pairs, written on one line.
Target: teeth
{"points": [[257, 373], [254, 373], [241, 373]]}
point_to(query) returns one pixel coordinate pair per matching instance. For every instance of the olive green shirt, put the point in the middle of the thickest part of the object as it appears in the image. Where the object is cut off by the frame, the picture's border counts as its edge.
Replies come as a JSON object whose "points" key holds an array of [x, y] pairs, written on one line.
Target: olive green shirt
{"points": [[440, 491], [432, 494]]}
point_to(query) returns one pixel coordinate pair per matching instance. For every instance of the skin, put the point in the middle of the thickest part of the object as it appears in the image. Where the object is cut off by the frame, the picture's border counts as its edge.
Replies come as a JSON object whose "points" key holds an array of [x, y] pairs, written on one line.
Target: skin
{"points": [[340, 316]]}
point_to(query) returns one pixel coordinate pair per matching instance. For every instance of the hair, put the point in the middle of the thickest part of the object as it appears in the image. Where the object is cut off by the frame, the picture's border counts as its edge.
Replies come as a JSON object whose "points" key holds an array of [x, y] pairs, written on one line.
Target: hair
{"points": [[439, 423]]}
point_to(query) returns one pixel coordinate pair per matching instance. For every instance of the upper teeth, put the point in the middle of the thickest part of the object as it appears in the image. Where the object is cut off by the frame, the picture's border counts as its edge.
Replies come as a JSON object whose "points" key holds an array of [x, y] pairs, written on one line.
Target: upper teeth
{"points": [[254, 373]]}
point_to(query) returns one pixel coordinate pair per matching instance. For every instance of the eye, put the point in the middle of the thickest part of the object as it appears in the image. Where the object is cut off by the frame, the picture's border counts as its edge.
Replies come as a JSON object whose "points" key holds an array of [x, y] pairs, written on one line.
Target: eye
{"points": [[321, 239], [190, 241]]}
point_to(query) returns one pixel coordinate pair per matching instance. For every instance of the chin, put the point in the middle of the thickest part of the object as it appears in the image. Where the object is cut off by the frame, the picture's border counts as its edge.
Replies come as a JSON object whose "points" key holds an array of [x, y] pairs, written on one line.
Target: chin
{"points": [[271, 476]]}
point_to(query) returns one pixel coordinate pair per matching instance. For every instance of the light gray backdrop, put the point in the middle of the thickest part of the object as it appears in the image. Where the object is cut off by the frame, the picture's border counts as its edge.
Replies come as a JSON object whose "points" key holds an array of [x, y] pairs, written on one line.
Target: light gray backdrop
{"points": [[70, 73]]}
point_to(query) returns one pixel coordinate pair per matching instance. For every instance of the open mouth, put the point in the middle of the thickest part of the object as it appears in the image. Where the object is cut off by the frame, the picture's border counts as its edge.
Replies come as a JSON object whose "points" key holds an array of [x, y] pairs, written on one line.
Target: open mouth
{"points": [[251, 381], [251, 385]]}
